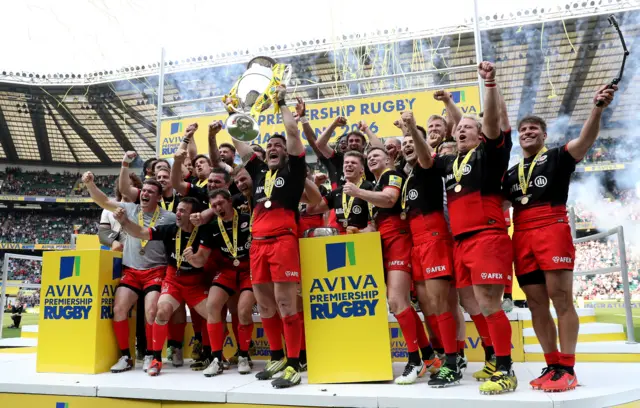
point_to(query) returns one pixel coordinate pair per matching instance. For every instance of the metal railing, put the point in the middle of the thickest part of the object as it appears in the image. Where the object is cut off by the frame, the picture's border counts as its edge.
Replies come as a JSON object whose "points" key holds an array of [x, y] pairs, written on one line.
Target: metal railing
{"points": [[622, 268], [5, 285]]}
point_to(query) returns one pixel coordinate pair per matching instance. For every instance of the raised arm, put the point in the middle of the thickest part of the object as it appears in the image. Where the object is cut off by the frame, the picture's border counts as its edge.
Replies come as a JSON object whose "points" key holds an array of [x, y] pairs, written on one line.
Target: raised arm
{"points": [[374, 140], [323, 140], [189, 141], [579, 147], [294, 141], [177, 179], [214, 153], [124, 182], [311, 194], [319, 208], [491, 118], [301, 111], [423, 151], [454, 114], [98, 196], [133, 229], [384, 199], [504, 114]]}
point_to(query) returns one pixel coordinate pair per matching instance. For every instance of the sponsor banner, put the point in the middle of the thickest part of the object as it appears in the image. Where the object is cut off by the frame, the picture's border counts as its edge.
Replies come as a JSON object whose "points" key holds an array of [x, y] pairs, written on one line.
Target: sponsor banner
{"points": [[600, 167], [345, 308], [34, 247], [610, 304], [378, 111], [42, 199], [75, 327]]}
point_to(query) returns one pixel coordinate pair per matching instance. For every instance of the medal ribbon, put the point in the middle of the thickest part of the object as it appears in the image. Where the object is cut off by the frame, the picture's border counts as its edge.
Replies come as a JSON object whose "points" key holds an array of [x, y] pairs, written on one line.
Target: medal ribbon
{"points": [[233, 249], [524, 183], [152, 224], [170, 206], [269, 181], [346, 205], [192, 238], [403, 202], [201, 183], [457, 171]]}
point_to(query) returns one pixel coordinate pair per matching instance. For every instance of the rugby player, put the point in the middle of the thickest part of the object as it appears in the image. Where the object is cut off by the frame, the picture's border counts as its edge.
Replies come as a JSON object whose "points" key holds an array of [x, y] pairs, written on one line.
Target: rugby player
{"points": [[538, 187], [183, 282], [144, 265], [482, 249]]}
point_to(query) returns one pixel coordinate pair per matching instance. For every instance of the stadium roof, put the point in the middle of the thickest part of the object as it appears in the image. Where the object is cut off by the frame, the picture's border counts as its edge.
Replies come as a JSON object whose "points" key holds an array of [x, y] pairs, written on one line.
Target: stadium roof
{"points": [[547, 66]]}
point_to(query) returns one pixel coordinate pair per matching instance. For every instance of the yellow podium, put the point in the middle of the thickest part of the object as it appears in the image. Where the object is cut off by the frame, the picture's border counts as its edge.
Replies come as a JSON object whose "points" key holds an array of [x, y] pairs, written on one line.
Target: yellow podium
{"points": [[75, 333], [345, 308]]}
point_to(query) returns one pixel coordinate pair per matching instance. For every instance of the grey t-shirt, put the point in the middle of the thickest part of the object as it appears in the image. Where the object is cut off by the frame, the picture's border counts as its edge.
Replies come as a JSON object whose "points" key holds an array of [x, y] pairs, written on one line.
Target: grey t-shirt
{"points": [[154, 253]]}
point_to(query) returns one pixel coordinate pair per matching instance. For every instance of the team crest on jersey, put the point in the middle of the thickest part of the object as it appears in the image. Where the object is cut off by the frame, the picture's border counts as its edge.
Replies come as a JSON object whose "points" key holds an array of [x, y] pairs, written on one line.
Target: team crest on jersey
{"points": [[247, 245], [244, 225], [356, 209], [467, 169], [279, 182], [542, 159], [413, 194], [540, 181], [395, 181]]}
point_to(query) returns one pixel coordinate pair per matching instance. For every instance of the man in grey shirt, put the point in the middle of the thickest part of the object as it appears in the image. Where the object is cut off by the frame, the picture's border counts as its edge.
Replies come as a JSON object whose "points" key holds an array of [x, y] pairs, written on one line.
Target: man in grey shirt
{"points": [[144, 264]]}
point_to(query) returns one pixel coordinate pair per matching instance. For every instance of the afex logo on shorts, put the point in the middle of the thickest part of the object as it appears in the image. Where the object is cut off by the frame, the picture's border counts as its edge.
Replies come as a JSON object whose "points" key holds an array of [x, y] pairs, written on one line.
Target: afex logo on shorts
{"points": [[396, 263], [434, 269], [491, 275], [291, 274], [561, 259]]}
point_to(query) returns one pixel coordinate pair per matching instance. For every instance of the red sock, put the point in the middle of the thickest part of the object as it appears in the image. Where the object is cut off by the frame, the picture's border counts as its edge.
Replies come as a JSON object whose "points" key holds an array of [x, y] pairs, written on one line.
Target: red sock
{"points": [[176, 332], [423, 340], [235, 322], [159, 336], [196, 322], [292, 334], [245, 332], [121, 330], [447, 325], [148, 331], [407, 324], [483, 330], [567, 360], [273, 329], [500, 330], [303, 338], [552, 358], [436, 339], [205, 338], [216, 335], [461, 345]]}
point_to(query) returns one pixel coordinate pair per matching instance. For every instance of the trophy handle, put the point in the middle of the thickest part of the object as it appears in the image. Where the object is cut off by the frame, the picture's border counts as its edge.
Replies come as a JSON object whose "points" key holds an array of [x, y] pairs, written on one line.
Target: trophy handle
{"points": [[286, 75]]}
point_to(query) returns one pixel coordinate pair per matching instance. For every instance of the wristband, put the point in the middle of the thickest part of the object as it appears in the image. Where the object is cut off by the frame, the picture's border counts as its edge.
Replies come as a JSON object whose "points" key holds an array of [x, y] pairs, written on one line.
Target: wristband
{"points": [[125, 164], [282, 103], [186, 140], [490, 83], [304, 119]]}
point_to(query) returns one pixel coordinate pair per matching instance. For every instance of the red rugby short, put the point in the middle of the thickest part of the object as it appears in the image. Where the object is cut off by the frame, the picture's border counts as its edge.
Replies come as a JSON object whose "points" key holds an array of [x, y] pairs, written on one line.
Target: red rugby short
{"points": [[396, 251], [546, 248], [233, 280], [147, 280], [432, 259], [190, 289], [484, 258], [275, 259]]}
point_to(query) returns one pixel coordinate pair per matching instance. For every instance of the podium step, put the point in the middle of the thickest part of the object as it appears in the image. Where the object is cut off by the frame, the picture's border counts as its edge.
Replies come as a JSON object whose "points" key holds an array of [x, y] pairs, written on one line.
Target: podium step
{"points": [[589, 333], [29, 332], [603, 351]]}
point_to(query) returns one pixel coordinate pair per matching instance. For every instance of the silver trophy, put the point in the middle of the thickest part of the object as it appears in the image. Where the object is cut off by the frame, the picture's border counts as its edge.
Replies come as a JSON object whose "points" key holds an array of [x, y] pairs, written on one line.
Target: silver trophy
{"points": [[255, 87]]}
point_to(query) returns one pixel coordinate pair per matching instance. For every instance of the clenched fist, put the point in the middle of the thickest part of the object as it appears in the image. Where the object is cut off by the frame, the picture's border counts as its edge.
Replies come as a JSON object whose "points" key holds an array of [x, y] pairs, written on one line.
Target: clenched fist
{"points": [[350, 189], [605, 95], [129, 157], [188, 254], [281, 92], [214, 128], [180, 155], [196, 219], [408, 119], [442, 96], [120, 215], [87, 178], [340, 121], [487, 70]]}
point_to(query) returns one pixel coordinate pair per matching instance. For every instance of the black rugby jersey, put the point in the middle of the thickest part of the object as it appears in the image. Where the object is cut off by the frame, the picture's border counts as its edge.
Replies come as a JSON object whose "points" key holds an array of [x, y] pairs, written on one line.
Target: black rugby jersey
{"points": [[282, 217], [547, 192], [424, 191], [359, 217], [478, 205], [241, 203], [167, 234], [200, 193], [215, 240]]}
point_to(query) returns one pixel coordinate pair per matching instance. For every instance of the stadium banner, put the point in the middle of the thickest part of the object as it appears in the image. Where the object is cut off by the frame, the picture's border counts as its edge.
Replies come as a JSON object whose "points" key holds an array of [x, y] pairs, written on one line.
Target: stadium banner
{"points": [[76, 304], [34, 247], [610, 304], [43, 199], [378, 111], [345, 308]]}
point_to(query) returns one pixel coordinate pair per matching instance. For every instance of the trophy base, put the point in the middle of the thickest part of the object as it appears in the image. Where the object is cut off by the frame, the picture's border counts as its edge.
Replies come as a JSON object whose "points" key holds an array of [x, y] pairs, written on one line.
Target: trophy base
{"points": [[242, 127]]}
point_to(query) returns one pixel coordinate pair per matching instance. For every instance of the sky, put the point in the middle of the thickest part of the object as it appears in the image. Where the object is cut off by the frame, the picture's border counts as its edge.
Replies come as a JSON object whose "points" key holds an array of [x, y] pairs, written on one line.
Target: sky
{"points": [[78, 36]]}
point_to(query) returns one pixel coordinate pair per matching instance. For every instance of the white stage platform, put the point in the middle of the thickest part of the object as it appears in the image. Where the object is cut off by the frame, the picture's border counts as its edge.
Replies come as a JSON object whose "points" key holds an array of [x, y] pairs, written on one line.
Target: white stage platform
{"points": [[602, 385]]}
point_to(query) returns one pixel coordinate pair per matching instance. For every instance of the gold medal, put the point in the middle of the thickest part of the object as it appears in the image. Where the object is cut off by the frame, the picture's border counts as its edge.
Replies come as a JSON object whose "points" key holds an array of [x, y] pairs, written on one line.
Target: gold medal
{"points": [[346, 206], [267, 204], [403, 200], [403, 215], [457, 188], [458, 170], [269, 181], [524, 200], [345, 223], [524, 181], [236, 262], [141, 252], [192, 237], [233, 248]]}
